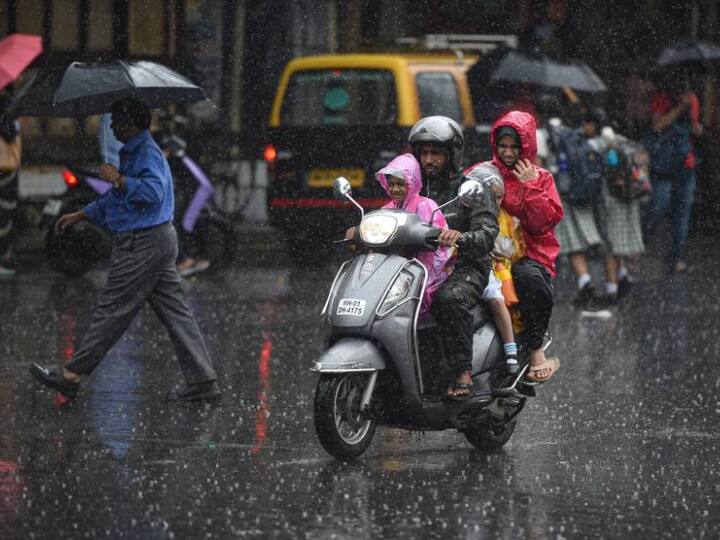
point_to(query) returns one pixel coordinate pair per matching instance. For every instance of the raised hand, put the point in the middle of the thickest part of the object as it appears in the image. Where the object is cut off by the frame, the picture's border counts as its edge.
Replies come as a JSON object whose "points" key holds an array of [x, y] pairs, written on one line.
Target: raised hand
{"points": [[525, 171]]}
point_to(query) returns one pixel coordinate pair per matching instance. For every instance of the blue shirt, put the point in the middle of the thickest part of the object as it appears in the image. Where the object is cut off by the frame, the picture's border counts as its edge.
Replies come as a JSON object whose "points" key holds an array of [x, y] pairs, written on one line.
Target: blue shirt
{"points": [[147, 196]]}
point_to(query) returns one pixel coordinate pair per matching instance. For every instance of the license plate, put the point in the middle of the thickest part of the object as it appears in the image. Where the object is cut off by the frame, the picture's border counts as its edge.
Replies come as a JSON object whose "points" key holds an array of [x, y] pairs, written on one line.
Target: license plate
{"points": [[324, 178], [52, 207], [351, 306]]}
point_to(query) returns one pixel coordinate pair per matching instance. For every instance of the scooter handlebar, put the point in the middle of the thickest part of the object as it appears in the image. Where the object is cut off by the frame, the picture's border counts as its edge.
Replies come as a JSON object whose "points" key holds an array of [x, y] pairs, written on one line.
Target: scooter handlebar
{"points": [[432, 239]]}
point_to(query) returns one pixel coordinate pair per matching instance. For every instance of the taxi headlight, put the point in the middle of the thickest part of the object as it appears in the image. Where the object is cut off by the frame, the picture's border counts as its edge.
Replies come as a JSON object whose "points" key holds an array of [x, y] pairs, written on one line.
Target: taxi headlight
{"points": [[377, 230]]}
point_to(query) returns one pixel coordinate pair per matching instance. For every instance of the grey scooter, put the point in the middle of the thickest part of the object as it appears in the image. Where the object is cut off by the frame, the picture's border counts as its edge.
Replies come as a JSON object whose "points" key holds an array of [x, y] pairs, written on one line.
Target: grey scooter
{"points": [[381, 367]]}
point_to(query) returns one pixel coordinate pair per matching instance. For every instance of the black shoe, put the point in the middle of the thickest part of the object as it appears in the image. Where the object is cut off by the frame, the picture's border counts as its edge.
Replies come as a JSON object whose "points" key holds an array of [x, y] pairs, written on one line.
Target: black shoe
{"points": [[607, 300], [586, 297], [624, 285], [206, 391], [53, 378], [512, 367]]}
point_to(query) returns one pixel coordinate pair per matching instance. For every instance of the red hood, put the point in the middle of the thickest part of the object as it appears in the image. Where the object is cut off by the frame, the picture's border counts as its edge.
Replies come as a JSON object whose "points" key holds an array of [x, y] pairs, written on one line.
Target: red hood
{"points": [[535, 203], [524, 124]]}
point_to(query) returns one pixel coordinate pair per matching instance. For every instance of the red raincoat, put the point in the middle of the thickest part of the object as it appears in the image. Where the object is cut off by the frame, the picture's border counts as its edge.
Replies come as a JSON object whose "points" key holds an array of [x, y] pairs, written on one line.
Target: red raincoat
{"points": [[536, 203]]}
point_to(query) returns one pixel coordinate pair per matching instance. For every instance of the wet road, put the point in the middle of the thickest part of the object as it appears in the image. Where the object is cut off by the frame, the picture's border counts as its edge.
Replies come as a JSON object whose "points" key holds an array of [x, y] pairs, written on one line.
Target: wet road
{"points": [[623, 443]]}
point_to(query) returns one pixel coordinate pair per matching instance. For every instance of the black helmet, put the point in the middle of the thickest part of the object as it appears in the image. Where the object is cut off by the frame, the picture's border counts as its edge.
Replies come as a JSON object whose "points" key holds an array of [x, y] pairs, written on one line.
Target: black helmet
{"points": [[443, 131]]}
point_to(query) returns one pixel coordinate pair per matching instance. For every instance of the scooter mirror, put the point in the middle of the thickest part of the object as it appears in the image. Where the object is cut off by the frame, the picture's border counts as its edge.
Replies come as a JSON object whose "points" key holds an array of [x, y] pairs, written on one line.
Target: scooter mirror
{"points": [[439, 208], [341, 188], [471, 193]]}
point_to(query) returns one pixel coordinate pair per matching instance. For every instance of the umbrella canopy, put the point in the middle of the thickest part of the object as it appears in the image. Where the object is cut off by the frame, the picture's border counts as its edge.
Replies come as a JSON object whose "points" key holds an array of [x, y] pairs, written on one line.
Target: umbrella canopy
{"points": [[87, 89], [17, 51], [689, 51], [541, 70]]}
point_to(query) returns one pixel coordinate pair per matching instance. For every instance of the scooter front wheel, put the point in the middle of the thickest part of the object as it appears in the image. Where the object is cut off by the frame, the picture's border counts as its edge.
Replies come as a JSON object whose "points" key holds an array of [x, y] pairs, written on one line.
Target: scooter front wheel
{"points": [[342, 428]]}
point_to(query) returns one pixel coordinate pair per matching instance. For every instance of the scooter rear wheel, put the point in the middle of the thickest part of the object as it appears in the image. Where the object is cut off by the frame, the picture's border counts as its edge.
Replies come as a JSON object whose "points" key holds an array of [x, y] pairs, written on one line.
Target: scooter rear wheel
{"points": [[342, 429], [488, 439]]}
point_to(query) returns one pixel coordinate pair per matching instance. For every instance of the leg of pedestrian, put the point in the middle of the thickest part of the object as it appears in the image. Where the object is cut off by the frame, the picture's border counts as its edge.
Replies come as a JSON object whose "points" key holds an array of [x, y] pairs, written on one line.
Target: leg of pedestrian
{"points": [[658, 207], [683, 193], [168, 301], [130, 280]]}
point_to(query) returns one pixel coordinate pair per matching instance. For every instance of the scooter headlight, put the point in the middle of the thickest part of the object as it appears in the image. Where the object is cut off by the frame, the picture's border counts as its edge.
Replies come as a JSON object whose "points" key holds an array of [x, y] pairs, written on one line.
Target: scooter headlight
{"points": [[378, 230], [398, 292]]}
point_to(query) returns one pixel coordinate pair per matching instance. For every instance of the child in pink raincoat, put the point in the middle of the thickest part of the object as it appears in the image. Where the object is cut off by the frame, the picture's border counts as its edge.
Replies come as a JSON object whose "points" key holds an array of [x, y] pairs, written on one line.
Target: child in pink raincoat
{"points": [[402, 180]]}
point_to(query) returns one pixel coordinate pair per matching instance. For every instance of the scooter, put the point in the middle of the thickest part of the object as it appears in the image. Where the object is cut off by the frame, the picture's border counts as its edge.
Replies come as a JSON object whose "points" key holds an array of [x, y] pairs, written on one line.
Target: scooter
{"points": [[82, 247], [382, 367]]}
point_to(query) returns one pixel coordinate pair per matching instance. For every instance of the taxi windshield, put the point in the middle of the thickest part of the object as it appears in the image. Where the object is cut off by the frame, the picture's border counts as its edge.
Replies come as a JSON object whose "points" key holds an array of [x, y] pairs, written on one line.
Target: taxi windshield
{"points": [[349, 97]]}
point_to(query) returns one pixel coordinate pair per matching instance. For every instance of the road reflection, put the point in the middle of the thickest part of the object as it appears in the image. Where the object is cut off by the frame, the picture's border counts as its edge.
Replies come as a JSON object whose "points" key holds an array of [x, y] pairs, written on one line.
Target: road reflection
{"points": [[624, 441]]}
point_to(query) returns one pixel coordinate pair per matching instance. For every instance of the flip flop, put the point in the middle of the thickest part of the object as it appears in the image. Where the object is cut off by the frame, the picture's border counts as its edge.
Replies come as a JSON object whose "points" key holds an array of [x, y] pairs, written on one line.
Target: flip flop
{"points": [[462, 386], [552, 363]]}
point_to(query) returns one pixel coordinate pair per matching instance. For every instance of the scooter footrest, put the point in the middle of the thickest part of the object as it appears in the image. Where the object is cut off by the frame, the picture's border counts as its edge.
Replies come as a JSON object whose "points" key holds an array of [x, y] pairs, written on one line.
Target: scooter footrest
{"points": [[526, 390]]}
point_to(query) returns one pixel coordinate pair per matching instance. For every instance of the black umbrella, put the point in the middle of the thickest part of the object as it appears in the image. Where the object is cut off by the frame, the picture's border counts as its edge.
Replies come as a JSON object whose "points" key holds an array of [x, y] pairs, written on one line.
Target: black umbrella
{"points": [[684, 52], [541, 70], [86, 89]]}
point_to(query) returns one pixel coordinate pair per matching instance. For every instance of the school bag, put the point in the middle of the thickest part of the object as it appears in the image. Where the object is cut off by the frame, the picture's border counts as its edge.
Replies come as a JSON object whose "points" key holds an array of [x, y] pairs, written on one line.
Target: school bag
{"points": [[628, 171], [580, 168]]}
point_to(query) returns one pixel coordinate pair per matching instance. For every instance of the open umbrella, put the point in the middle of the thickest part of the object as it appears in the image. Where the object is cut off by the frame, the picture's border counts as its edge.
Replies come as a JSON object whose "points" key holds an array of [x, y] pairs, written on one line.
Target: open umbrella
{"points": [[684, 52], [17, 51], [541, 70], [86, 89]]}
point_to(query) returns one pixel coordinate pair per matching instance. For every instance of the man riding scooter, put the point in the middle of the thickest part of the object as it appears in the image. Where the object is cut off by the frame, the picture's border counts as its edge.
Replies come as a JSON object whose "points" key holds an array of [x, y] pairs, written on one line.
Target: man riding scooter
{"points": [[438, 144]]}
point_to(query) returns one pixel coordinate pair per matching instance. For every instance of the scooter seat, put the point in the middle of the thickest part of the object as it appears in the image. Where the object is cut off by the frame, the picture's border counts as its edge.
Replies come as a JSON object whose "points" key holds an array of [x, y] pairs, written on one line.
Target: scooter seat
{"points": [[426, 322], [481, 315]]}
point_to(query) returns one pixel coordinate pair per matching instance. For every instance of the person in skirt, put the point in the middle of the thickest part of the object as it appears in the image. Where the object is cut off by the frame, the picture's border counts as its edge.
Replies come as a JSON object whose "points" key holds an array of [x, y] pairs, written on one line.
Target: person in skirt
{"points": [[621, 228], [577, 233]]}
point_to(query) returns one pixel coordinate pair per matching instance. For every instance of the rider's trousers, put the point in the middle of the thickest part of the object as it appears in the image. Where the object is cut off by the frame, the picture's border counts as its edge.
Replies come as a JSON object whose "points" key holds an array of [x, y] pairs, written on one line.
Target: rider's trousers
{"points": [[453, 308], [535, 292]]}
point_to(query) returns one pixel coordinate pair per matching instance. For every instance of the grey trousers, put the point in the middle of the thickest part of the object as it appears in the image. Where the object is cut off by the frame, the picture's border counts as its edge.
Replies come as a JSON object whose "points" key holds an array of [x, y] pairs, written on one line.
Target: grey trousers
{"points": [[143, 268]]}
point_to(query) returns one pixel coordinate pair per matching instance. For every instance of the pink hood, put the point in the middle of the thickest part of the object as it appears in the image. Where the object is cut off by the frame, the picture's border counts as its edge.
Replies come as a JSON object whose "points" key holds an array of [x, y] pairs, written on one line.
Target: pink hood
{"points": [[438, 263], [408, 166]]}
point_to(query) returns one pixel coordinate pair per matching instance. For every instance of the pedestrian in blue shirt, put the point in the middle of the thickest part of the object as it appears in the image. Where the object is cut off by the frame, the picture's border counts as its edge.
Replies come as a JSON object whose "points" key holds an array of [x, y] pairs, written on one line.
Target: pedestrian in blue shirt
{"points": [[138, 211]]}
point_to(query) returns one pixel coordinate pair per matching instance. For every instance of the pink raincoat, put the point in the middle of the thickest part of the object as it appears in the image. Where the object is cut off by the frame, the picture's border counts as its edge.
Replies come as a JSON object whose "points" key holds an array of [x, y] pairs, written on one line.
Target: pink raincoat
{"points": [[437, 262]]}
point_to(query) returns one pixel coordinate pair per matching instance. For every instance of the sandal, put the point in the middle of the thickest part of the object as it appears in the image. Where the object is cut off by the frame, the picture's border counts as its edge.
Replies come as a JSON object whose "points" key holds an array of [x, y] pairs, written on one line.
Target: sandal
{"points": [[552, 364]]}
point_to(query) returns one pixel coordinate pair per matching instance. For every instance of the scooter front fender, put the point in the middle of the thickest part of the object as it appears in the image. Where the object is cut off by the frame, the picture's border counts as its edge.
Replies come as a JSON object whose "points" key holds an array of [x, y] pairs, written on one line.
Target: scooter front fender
{"points": [[350, 355]]}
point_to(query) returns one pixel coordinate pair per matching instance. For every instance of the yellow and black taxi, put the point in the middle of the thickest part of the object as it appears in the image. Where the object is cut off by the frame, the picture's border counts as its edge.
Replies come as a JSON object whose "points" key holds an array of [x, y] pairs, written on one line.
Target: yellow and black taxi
{"points": [[348, 115]]}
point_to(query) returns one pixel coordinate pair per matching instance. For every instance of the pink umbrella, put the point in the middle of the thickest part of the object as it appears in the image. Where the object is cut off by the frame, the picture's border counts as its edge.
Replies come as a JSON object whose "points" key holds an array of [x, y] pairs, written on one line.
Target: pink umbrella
{"points": [[17, 51]]}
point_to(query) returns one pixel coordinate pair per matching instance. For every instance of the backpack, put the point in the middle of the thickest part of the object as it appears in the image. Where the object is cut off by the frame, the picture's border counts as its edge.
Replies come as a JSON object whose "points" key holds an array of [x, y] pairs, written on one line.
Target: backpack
{"points": [[628, 171], [580, 168]]}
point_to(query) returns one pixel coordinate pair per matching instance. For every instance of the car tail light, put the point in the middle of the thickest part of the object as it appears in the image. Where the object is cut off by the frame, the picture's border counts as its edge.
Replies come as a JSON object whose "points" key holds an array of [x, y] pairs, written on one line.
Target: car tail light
{"points": [[70, 179], [270, 154]]}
